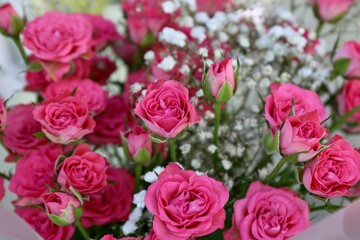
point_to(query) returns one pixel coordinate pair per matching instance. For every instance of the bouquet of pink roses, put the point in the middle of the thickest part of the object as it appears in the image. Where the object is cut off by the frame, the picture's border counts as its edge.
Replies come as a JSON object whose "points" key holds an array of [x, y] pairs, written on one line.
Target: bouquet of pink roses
{"points": [[199, 120]]}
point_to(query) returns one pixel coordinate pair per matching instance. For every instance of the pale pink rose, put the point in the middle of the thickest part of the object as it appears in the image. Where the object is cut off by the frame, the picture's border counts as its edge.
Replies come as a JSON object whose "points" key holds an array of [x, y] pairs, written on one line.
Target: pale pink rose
{"points": [[19, 135], [212, 6], [2, 189], [349, 98], [219, 74], [334, 170], [113, 202], [61, 204], [34, 174], [101, 69], [114, 119], [329, 10], [278, 104], [150, 17], [7, 12], [103, 31], [166, 109], [93, 93], [350, 50], [302, 133], [64, 119], [268, 213], [3, 113], [186, 205], [84, 170], [42, 224], [138, 139]]}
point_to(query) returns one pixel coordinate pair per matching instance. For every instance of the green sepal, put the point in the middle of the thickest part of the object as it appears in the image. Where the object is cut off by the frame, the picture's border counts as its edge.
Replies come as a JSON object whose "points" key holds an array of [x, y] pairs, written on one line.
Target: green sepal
{"points": [[77, 194], [58, 220], [148, 40], [125, 147], [207, 91], [276, 141], [78, 211], [340, 67], [225, 93], [298, 174], [142, 156], [158, 139], [34, 66], [39, 135], [17, 25], [268, 143]]}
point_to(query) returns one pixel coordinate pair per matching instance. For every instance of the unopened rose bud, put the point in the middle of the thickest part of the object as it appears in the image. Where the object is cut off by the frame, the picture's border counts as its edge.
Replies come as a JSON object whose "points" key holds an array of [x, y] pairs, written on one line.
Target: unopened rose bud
{"points": [[10, 22], [331, 10], [138, 144]]}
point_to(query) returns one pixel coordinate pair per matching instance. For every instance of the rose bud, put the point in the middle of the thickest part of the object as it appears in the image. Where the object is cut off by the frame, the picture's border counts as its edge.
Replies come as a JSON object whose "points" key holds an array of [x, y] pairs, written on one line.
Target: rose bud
{"points": [[138, 144], [2, 115], [220, 81], [302, 134], [60, 207], [331, 10], [10, 22], [349, 51]]}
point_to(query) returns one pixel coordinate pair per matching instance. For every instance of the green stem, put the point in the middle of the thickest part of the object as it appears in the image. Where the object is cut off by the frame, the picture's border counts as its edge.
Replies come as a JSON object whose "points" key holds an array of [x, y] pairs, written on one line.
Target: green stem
{"points": [[217, 122], [138, 170], [343, 119], [275, 171], [4, 176], [172, 151], [21, 49], [82, 230], [319, 28]]}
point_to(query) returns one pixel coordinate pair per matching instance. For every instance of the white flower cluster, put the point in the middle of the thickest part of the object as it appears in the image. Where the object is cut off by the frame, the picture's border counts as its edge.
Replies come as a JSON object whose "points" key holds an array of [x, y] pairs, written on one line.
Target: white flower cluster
{"points": [[172, 36]]}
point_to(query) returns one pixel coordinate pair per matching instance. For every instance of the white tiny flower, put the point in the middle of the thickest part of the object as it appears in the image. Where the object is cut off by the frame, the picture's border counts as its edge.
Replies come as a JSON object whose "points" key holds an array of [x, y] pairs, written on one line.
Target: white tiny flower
{"points": [[201, 17], [152, 176], [255, 108], [251, 84], [285, 77], [218, 53], [269, 56], [186, 21], [168, 7], [196, 163], [248, 62], [267, 70], [158, 170], [149, 56], [185, 148], [199, 33], [200, 93], [212, 148], [136, 87], [223, 37], [209, 61], [238, 126], [200, 173], [209, 115], [129, 227], [185, 69], [213, 24], [143, 92], [172, 36], [167, 63], [203, 52], [139, 199], [191, 4], [226, 164], [243, 41]]}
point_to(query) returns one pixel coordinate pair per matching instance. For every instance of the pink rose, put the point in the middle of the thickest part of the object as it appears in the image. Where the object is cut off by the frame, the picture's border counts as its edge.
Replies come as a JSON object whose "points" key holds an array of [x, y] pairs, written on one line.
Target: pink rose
{"points": [[42, 224], [108, 237], [349, 98], [91, 92], [141, 79], [166, 109], [103, 31], [19, 135], [101, 69], [130, 238], [61, 204], [151, 236], [2, 189], [34, 174], [3, 113], [56, 39], [334, 170], [84, 170], [186, 205], [212, 6], [150, 17], [64, 119], [7, 12], [278, 104], [125, 49], [113, 120], [220, 74], [350, 50], [138, 144], [330, 10], [302, 133], [268, 213], [113, 202]]}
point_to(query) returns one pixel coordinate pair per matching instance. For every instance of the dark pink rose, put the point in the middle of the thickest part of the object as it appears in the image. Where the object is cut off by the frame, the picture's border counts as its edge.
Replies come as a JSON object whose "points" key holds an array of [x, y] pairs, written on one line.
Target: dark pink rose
{"points": [[302, 133], [166, 109], [330, 10], [278, 104], [150, 17], [108, 237], [2, 189], [61, 204], [64, 119], [113, 202], [219, 74], [135, 83], [334, 170], [93, 93], [114, 119], [349, 98], [3, 113], [151, 236], [350, 50], [103, 31], [186, 205], [84, 170], [42, 224], [138, 144], [128, 238], [80, 69], [268, 213], [36, 81], [212, 6], [101, 69], [34, 174], [7, 12], [125, 49], [19, 134]]}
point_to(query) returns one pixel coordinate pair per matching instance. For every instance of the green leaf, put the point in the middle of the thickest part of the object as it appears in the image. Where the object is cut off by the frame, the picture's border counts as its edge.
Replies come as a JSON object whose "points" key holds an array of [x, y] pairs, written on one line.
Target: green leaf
{"points": [[158, 139], [225, 93], [276, 141], [59, 160], [35, 66], [78, 212], [340, 67], [336, 45], [268, 143], [76, 142], [207, 90], [344, 119], [298, 174], [57, 220], [39, 135], [77, 194], [17, 25], [73, 92], [148, 40], [125, 147]]}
